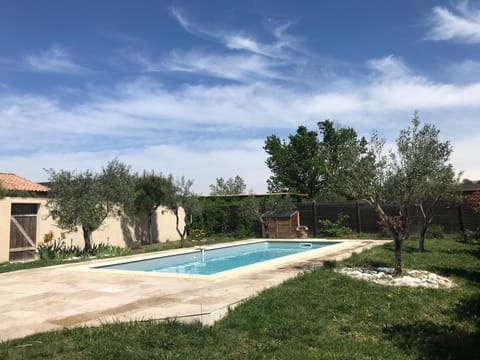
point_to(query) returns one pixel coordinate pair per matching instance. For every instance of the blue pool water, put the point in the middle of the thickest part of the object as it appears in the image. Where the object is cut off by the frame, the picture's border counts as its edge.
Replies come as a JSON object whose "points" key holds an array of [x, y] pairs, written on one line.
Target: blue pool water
{"points": [[211, 261]]}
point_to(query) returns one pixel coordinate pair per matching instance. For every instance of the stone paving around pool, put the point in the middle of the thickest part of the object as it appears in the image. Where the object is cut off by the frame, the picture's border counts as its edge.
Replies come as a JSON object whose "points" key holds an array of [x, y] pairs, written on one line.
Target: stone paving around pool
{"points": [[51, 298]]}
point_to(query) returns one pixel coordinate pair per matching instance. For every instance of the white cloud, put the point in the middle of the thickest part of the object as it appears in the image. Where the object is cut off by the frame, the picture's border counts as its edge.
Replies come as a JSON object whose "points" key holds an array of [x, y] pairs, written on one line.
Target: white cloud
{"points": [[464, 159], [187, 25], [466, 71], [207, 131], [232, 67], [461, 24], [200, 164], [56, 59], [284, 46], [389, 67]]}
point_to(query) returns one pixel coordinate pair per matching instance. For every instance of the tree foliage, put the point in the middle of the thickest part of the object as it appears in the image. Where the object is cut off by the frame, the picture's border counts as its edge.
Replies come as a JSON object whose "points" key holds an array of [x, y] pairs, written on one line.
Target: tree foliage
{"points": [[224, 216], [86, 199], [3, 192], [151, 191], [421, 162], [181, 196], [232, 186], [416, 175], [308, 164], [296, 164]]}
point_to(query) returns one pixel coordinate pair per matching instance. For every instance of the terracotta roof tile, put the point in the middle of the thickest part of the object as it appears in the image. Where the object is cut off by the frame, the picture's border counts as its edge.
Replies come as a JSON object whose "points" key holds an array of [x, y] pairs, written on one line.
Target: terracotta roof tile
{"points": [[11, 181]]}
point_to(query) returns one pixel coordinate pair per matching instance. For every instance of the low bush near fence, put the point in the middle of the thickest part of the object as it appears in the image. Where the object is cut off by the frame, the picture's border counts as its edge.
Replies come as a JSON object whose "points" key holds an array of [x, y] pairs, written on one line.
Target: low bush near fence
{"points": [[335, 228]]}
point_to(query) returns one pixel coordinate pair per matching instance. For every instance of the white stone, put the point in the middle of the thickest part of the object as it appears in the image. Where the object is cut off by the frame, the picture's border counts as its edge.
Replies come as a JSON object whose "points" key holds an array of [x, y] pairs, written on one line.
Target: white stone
{"points": [[413, 278]]}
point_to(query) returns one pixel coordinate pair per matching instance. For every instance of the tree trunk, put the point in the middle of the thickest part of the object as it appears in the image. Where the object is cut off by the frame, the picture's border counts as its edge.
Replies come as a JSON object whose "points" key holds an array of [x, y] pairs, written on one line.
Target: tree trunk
{"points": [[149, 227], [427, 220], [421, 240], [180, 233], [266, 227], [87, 238], [396, 235], [397, 271]]}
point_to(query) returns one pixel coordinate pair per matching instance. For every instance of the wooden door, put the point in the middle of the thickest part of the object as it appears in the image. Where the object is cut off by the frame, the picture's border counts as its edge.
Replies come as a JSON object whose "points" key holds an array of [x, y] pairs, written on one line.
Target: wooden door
{"points": [[23, 231]]}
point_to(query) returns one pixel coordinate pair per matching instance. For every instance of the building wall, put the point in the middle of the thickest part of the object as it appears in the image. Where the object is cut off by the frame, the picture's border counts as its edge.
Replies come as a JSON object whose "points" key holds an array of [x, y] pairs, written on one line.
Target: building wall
{"points": [[117, 231]]}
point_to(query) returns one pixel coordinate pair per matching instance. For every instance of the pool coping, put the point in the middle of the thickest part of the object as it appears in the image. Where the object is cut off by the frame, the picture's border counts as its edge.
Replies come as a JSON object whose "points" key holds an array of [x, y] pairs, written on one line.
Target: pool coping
{"points": [[93, 265]]}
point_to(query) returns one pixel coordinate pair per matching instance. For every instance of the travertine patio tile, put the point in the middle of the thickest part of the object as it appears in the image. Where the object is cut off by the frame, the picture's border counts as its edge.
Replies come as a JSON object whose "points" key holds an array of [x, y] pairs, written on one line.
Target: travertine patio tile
{"points": [[45, 299]]}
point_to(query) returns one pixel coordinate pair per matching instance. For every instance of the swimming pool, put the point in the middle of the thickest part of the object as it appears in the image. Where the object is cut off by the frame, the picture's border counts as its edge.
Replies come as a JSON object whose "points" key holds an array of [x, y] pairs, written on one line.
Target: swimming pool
{"points": [[211, 261]]}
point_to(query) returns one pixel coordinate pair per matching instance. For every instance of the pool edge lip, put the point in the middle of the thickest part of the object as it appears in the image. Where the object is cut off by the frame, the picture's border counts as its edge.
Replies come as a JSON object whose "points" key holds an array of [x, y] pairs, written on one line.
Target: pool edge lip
{"points": [[340, 244]]}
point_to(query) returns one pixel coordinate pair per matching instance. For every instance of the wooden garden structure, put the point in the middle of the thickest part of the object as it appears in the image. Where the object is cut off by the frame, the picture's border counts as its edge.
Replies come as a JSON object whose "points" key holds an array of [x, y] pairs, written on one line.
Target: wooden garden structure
{"points": [[285, 225]]}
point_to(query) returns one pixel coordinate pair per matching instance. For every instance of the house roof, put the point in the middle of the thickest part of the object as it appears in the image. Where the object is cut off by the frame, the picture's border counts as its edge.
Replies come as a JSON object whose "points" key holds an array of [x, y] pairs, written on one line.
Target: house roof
{"points": [[286, 214], [10, 181]]}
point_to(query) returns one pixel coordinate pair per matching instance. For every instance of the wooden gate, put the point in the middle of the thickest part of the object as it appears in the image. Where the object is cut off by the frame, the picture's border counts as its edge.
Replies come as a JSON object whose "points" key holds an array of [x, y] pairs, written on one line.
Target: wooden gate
{"points": [[23, 231]]}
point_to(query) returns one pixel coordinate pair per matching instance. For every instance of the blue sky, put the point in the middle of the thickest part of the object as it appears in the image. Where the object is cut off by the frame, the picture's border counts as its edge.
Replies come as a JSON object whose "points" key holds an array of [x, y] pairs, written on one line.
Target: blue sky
{"points": [[194, 88]]}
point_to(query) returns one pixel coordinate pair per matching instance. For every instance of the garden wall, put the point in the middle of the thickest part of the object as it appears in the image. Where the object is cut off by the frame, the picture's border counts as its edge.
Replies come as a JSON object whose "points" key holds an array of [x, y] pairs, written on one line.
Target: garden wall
{"points": [[115, 231]]}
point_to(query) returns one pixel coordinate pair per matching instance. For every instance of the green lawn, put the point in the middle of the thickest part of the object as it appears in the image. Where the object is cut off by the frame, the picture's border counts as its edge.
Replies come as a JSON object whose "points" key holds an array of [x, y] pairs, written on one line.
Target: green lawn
{"points": [[318, 315]]}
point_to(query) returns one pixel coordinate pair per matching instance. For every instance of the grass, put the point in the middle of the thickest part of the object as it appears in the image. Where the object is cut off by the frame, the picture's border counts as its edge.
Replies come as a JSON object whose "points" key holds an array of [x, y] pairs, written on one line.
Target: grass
{"points": [[318, 315]]}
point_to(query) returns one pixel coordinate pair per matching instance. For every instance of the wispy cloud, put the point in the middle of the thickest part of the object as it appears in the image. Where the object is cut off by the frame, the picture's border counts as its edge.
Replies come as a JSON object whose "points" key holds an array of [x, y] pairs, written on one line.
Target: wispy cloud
{"points": [[389, 67], [243, 58], [56, 59], [282, 47], [461, 23], [190, 26], [145, 112], [237, 67], [466, 71]]}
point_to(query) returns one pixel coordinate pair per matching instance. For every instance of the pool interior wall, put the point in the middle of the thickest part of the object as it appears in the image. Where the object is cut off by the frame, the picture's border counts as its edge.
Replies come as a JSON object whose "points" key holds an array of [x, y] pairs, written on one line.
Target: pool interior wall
{"points": [[206, 261]]}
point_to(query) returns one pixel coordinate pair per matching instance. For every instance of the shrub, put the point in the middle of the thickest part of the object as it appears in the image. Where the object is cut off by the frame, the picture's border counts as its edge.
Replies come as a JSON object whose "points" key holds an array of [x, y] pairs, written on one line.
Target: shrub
{"points": [[435, 232], [470, 236], [335, 228], [197, 234], [57, 249], [330, 264]]}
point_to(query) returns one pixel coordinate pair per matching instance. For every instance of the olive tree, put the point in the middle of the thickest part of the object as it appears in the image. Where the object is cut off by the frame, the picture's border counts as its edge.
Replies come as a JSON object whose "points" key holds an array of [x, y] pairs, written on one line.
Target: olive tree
{"points": [[232, 186], [423, 159], [415, 175], [180, 197], [151, 191], [86, 199]]}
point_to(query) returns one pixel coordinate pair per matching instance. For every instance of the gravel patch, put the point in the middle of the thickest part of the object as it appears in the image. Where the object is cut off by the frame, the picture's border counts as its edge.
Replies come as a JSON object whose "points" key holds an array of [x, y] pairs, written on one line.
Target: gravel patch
{"points": [[413, 278]]}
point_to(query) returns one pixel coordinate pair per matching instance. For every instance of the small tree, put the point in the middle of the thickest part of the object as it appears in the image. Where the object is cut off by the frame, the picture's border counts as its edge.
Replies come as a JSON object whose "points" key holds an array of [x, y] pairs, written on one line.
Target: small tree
{"points": [[267, 208], [181, 196], [229, 187], [415, 175], [3, 192], [86, 199], [151, 191], [372, 178], [422, 160], [444, 186]]}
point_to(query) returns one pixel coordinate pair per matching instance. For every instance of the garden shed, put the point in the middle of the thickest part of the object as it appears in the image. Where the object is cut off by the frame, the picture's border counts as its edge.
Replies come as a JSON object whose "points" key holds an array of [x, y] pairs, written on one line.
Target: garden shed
{"points": [[285, 225]]}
